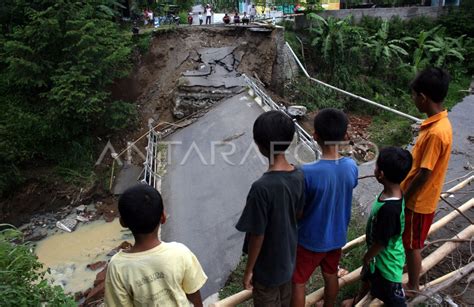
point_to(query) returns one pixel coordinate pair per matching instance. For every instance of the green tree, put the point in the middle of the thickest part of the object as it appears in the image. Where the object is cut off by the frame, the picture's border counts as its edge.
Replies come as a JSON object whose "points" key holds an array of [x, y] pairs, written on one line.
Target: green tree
{"points": [[443, 49], [385, 51], [420, 55], [22, 278], [338, 43], [56, 62]]}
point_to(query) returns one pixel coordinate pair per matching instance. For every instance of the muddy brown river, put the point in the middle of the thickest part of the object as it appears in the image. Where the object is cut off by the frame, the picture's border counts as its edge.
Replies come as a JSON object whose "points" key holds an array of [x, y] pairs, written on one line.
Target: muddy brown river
{"points": [[68, 254]]}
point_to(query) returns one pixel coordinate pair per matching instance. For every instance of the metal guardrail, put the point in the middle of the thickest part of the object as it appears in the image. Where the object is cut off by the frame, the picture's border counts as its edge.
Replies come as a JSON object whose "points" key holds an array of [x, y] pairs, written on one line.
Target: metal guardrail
{"points": [[381, 106], [151, 165], [302, 136]]}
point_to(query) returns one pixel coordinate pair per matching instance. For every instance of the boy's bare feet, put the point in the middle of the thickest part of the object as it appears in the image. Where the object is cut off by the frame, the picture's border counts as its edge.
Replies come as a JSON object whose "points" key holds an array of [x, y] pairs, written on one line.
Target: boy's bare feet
{"points": [[342, 272], [320, 303], [409, 291], [348, 303]]}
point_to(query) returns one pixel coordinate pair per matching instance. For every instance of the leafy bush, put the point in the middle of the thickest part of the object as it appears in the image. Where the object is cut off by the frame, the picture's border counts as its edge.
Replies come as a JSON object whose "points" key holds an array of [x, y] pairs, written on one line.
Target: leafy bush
{"points": [[183, 17], [383, 50], [314, 96], [22, 277], [337, 43], [377, 59], [389, 130], [142, 41], [458, 21], [56, 62]]}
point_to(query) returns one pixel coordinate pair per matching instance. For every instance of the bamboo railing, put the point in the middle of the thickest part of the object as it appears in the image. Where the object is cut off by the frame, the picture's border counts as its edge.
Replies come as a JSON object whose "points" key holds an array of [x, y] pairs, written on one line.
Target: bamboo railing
{"points": [[354, 276]]}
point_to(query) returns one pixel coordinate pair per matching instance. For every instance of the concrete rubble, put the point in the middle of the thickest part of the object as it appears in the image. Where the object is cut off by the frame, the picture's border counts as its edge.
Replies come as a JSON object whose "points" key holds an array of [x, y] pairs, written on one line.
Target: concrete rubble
{"points": [[66, 219], [214, 78], [95, 294], [96, 265]]}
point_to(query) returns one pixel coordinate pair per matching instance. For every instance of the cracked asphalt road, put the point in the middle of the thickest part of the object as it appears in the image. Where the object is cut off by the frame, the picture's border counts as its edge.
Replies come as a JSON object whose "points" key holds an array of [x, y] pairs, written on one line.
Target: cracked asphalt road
{"points": [[204, 198]]}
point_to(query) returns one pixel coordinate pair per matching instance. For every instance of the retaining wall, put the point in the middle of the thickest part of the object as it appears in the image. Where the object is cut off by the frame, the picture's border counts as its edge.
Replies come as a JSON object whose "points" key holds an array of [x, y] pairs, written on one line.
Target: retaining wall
{"points": [[385, 13]]}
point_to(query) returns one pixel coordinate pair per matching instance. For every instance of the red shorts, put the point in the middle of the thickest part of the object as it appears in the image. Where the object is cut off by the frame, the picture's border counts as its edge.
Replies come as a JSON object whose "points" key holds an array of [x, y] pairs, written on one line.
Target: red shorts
{"points": [[417, 226], [307, 261]]}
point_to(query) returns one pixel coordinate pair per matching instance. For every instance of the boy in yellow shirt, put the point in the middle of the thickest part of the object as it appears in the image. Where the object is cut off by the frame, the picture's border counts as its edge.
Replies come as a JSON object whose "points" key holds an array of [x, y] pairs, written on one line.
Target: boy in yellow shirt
{"points": [[431, 155], [152, 272]]}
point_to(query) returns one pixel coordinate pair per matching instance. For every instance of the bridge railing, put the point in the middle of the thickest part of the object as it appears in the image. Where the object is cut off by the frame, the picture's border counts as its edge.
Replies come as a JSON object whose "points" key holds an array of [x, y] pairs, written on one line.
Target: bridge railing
{"points": [[151, 166], [376, 104], [267, 104]]}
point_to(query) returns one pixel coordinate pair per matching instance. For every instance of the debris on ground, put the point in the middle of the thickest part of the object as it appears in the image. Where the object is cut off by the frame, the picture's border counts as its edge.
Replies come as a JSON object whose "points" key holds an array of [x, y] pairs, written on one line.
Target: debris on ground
{"points": [[96, 293], [96, 265], [123, 246], [359, 147], [296, 111], [36, 234], [66, 219], [68, 225]]}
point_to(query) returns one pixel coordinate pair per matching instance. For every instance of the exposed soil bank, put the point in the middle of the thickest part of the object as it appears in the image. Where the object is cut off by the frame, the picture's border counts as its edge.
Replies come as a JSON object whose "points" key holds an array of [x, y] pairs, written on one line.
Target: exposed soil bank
{"points": [[172, 52]]}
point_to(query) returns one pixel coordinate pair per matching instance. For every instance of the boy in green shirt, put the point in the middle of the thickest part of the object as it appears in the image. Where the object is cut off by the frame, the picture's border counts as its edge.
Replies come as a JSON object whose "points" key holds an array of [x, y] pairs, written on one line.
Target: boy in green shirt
{"points": [[385, 256]]}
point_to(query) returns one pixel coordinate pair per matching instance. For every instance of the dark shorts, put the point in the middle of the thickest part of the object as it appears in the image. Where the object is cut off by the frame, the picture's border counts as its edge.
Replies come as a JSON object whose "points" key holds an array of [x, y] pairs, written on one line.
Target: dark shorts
{"points": [[307, 261], [390, 293], [417, 226], [271, 296]]}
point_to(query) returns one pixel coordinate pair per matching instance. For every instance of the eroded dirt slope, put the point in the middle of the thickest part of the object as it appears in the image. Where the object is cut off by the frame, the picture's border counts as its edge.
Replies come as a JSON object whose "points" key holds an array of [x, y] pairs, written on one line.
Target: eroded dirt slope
{"points": [[155, 78]]}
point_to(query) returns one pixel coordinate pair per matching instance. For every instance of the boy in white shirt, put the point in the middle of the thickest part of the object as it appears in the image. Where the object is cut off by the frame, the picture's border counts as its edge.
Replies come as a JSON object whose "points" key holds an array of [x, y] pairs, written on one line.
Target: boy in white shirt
{"points": [[200, 18]]}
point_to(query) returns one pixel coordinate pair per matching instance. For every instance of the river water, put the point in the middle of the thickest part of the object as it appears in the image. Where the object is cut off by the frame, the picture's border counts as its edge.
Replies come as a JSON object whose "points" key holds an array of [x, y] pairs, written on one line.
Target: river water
{"points": [[68, 254]]}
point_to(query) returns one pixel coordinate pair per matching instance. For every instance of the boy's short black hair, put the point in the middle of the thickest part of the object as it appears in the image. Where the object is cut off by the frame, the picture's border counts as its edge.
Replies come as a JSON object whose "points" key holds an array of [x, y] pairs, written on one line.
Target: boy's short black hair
{"points": [[395, 163], [141, 208], [432, 82], [331, 125], [273, 128]]}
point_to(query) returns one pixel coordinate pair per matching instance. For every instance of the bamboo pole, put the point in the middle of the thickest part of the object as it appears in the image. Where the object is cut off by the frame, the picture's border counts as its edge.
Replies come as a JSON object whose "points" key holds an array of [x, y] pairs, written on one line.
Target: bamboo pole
{"points": [[432, 259], [233, 300], [441, 283], [455, 208], [458, 186], [350, 278], [354, 243], [445, 277], [449, 217], [445, 219]]}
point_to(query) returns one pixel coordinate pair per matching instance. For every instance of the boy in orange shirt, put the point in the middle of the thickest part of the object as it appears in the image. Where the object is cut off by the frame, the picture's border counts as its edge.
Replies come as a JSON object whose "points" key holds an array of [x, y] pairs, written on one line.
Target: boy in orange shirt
{"points": [[431, 155]]}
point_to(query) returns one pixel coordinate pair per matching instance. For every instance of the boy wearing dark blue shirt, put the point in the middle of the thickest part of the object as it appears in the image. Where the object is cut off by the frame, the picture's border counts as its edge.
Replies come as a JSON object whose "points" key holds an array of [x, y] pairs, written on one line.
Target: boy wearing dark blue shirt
{"points": [[269, 218], [322, 230]]}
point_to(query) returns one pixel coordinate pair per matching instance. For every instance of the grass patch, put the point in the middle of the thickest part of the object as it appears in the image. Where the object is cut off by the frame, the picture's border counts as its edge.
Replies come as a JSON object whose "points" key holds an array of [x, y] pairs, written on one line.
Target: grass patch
{"points": [[234, 282], [76, 166], [142, 41], [457, 91], [352, 259], [390, 130]]}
